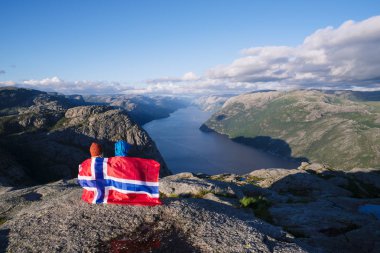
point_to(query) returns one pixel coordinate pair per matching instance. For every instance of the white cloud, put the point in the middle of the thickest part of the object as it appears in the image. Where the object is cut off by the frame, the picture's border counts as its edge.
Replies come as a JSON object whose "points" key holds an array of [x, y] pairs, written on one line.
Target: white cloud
{"points": [[7, 83], [47, 82], [346, 57], [189, 76], [70, 87]]}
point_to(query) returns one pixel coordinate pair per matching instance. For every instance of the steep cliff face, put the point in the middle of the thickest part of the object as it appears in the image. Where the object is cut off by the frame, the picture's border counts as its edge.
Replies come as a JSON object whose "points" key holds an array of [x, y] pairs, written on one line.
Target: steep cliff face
{"points": [[81, 125], [334, 128], [49, 135]]}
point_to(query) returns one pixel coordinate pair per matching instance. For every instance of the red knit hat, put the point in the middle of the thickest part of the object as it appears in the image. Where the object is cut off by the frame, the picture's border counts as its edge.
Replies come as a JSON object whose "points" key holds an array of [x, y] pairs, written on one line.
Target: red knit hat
{"points": [[95, 149]]}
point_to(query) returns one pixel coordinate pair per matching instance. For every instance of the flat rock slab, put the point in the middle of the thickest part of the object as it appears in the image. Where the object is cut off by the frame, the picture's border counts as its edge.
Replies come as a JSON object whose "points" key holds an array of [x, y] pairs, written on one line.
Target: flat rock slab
{"points": [[58, 221], [311, 210], [187, 184]]}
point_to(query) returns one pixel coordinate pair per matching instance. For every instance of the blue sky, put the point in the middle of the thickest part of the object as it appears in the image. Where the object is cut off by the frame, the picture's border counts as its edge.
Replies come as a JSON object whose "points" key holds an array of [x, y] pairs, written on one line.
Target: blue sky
{"points": [[133, 41]]}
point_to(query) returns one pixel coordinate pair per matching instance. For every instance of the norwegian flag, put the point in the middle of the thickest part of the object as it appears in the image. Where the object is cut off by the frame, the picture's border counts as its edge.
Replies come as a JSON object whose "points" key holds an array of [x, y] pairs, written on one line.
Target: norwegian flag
{"points": [[120, 180]]}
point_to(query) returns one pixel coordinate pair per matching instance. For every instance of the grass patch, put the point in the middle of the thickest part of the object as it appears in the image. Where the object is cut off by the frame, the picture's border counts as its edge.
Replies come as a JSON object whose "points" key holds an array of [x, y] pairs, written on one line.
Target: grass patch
{"points": [[247, 201], [60, 123], [363, 119], [201, 194], [219, 178], [260, 206], [375, 106], [173, 195], [2, 220], [254, 180]]}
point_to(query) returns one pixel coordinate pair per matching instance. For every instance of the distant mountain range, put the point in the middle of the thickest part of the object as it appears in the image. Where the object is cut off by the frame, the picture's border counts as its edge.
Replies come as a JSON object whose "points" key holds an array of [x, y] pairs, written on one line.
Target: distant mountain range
{"points": [[339, 128], [141, 108]]}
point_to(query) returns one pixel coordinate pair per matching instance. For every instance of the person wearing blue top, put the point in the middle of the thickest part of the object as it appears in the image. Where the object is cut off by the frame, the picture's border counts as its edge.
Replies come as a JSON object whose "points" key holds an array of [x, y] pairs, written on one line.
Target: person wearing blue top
{"points": [[122, 148]]}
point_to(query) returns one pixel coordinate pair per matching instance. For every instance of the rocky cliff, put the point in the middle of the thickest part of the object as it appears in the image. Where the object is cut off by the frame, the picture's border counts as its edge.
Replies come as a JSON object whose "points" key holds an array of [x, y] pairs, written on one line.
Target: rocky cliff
{"points": [[338, 128], [309, 209], [48, 135]]}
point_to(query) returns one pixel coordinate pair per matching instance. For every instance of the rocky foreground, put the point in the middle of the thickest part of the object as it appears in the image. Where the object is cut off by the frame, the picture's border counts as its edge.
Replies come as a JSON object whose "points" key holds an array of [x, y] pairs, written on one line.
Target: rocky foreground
{"points": [[309, 209]]}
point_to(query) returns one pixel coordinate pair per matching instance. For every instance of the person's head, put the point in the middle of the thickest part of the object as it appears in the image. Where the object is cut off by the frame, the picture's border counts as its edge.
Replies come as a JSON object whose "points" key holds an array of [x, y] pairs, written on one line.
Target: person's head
{"points": [[96, 150], [121, 148]]}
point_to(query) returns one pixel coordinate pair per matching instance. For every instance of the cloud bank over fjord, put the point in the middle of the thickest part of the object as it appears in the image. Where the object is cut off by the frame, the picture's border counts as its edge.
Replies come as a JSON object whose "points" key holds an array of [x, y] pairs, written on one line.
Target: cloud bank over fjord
{"points": [[346, 57], [56, 84]]}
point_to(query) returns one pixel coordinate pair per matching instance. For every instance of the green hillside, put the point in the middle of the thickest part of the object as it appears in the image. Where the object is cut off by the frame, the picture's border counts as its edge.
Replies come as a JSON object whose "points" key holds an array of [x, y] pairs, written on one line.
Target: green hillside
{"points": [[334, 128]]}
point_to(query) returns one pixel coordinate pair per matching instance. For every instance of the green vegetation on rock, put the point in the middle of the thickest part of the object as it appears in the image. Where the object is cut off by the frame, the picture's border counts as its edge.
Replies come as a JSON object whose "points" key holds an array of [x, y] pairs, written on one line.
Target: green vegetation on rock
{"points": [[2, 220], [334, 129], [260, 206]]}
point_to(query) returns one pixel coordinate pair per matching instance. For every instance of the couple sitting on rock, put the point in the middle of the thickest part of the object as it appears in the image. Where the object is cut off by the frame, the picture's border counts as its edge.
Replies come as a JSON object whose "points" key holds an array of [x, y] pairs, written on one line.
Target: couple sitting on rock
{"points": [[120, 179], [121, 149]]}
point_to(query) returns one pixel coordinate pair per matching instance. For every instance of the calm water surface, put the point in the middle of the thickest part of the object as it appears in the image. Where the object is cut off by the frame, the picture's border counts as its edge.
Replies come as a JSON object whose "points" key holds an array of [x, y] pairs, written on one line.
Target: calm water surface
{"points": [[186, 148]]}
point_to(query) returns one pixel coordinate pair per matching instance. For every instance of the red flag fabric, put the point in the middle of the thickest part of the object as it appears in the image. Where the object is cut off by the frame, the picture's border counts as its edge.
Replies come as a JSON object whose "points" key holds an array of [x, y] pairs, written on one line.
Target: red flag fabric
{"points": [[120, 180]]}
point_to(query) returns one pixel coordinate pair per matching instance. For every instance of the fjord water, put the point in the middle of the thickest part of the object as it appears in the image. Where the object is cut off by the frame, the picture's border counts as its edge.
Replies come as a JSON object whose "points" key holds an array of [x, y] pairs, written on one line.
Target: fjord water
{"points": [[186, 148]]}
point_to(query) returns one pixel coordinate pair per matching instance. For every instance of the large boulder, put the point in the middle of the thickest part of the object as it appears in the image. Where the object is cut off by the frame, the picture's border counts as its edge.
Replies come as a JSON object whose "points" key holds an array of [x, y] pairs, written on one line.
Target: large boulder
{"points": [[186, 184]]}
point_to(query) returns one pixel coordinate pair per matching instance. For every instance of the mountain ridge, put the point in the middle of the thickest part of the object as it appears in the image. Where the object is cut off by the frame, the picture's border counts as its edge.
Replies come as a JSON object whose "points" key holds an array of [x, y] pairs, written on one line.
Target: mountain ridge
{"points": [[49, 135], [327, 128]]}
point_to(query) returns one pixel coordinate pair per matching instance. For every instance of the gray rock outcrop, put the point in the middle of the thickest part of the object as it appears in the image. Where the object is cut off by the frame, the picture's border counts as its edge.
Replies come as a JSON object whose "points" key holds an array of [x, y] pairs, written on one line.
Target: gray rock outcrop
{"points": [[200, 213], [50, 134], [52, 218]]}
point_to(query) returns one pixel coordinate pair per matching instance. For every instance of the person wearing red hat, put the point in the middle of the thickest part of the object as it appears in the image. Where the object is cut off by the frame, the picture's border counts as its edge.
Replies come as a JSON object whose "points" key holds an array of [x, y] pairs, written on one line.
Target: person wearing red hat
{"points": [[96, 150]]}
